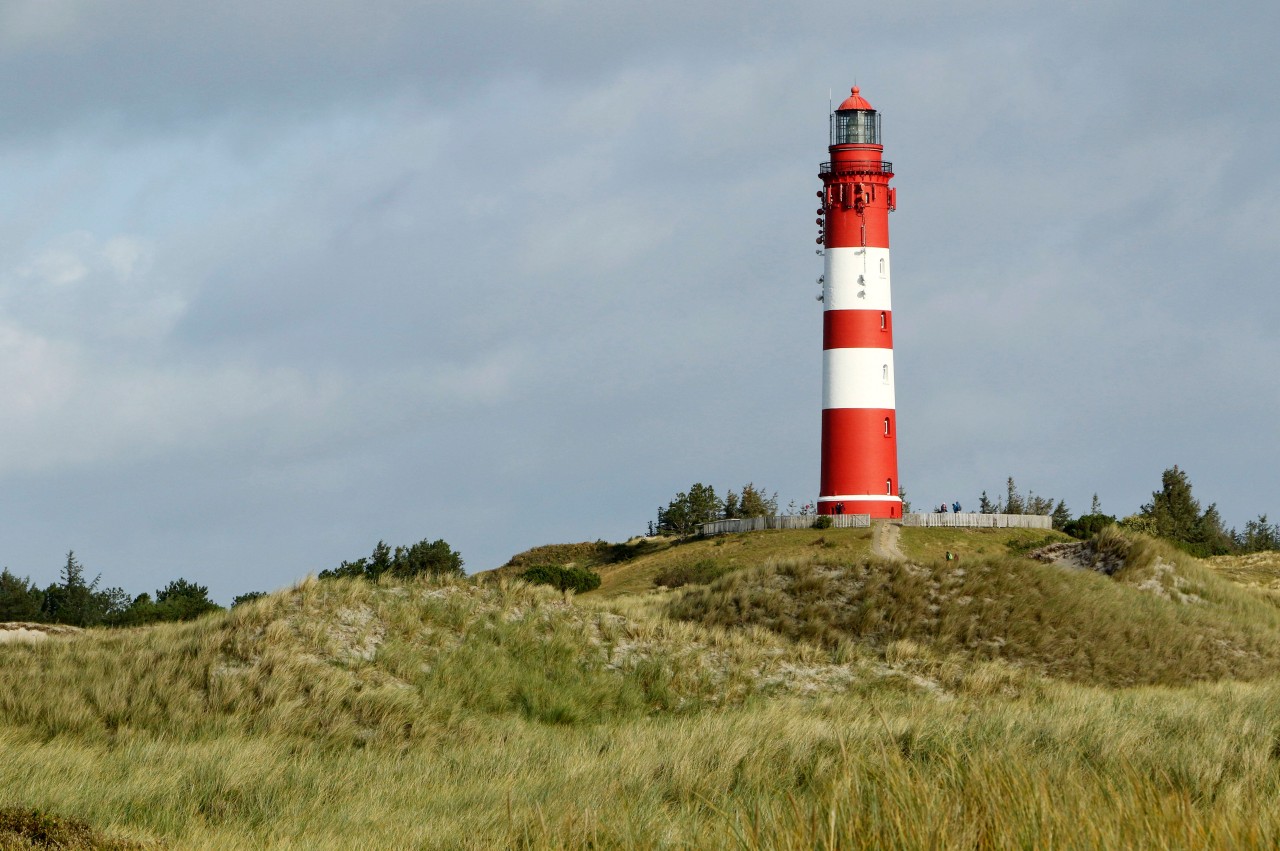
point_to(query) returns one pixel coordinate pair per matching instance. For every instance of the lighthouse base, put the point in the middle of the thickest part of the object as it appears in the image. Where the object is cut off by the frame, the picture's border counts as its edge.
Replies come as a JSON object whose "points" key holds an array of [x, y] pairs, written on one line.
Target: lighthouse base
{"points": [[879, 507]]}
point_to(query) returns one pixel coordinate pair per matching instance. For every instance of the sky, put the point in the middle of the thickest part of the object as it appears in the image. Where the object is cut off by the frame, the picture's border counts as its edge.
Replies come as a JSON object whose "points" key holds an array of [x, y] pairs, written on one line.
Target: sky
{"points": [[280, 280]]}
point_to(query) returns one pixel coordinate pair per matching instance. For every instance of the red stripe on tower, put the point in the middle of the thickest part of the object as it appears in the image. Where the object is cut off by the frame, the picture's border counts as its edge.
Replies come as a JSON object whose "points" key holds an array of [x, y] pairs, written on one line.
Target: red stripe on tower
{"points": [[859, 420]]}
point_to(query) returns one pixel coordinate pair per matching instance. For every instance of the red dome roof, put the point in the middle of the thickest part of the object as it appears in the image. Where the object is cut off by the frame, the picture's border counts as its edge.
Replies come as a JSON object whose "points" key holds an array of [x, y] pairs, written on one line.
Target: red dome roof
{"points": [[855, 101]]}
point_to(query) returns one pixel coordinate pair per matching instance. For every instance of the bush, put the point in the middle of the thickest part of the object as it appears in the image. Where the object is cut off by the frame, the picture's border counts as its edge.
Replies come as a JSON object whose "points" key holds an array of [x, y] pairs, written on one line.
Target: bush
{"points": [[823, 521], [694, 573], [1088, 525], [22, 828], [586, 553], [576, 579]]}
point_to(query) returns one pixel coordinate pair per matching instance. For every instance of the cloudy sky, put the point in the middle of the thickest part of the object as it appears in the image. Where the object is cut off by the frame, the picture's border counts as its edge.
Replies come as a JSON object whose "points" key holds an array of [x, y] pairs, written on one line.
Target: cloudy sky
{"points": [[278, 280]]}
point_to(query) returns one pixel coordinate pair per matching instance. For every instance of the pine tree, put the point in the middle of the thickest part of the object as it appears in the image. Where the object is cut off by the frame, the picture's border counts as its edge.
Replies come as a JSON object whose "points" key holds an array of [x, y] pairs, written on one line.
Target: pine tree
{"points": [[20, 599], [74, 601], [1173, 510], [1013, 501], [1174, 514], [1259, 536], [687, 511], [756, 504]]}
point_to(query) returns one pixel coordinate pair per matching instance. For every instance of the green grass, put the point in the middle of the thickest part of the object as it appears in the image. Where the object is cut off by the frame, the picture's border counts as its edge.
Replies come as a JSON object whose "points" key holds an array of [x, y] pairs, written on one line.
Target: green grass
{"points": [[632, 568], [1071, 768], [646, 559], [1163, 619], [920, 544], [813, 699]]}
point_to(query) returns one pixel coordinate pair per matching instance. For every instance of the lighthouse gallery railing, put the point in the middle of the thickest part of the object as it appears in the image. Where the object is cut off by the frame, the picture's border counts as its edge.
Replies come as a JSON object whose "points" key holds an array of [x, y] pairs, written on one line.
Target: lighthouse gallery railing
{"points": [[858, 168]]}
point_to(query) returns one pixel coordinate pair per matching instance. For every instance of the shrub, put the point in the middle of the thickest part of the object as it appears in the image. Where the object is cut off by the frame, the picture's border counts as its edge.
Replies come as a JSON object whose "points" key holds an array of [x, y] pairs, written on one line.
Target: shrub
{"points": [[694, 573], [576, 579], [1088, 525], [22, 828], [586, 552], [823, 521]]}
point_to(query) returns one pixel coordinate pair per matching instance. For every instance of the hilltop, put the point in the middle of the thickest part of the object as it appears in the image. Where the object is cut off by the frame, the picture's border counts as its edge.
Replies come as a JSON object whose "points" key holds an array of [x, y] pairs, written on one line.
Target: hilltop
{"points": [[802, 688], [631, 567]]}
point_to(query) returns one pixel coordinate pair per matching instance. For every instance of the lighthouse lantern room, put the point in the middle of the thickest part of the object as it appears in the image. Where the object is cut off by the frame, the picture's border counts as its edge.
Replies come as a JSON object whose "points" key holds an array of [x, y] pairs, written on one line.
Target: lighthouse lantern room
{"points": [[859, 422]]}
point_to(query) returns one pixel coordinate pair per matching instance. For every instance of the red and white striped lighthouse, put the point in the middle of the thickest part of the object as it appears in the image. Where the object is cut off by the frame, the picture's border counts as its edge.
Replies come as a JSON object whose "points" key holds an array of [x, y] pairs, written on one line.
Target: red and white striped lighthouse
{"points": [[859, 424]]}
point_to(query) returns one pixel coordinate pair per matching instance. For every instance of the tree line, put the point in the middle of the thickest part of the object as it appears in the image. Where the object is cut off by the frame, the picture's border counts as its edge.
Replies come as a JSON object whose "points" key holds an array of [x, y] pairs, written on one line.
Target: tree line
{"points": [[425, 558], [1173, 514], [700, 504], [77, 601]]}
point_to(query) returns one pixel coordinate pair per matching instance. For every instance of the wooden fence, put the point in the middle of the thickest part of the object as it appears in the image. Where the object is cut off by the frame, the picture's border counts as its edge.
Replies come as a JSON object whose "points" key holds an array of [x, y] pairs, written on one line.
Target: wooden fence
{"points": [[784, 521], [964, 519], [980, 521]]}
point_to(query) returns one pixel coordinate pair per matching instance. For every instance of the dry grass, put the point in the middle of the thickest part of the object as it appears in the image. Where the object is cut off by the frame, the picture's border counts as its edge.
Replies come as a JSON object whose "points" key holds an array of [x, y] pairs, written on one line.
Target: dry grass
{"points": [[1257, 571], [456, 715], [631, 568], [927, 545], [1161, 619], [1072, 767]]}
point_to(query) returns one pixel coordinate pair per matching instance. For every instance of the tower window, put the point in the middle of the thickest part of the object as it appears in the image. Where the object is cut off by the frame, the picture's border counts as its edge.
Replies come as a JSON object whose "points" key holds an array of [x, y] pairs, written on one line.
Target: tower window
{"points": [[888, 486], [884, 321], [884, 373], [882, 267], [886, 426]]}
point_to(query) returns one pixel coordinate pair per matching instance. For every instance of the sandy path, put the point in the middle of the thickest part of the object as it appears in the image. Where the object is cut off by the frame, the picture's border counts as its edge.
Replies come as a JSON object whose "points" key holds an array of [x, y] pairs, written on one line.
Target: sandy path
{"points": [[884, 540], [16, 632]]}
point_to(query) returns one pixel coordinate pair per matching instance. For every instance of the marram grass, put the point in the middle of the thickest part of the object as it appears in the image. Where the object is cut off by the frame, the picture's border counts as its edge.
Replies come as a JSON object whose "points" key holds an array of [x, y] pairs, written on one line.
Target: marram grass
{"points": [[1074, 768], [346, 715]]}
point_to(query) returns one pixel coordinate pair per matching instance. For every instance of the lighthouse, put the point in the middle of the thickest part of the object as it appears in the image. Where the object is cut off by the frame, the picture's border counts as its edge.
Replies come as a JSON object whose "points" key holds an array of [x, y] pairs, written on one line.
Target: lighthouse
{"points": [[859, 423]]}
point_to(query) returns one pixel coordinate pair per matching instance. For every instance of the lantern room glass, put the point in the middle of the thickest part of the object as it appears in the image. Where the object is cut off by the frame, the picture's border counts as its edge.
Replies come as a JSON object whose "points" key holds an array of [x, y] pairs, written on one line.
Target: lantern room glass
{"points": [[855, 127]]}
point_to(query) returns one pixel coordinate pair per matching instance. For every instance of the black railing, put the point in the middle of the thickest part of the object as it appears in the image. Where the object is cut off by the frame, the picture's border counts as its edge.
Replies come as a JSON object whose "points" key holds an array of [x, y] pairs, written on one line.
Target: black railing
{"points": [[858, 168]]}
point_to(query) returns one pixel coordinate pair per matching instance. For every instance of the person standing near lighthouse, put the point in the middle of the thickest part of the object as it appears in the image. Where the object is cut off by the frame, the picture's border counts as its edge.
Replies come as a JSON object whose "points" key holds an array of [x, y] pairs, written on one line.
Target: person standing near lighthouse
{"points": [[859, 420]]}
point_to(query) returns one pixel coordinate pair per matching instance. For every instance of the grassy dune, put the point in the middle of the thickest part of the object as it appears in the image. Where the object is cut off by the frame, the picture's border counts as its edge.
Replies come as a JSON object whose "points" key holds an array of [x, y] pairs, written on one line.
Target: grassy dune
{"points": [[810, 698], [1161, 619], [630, 568]]}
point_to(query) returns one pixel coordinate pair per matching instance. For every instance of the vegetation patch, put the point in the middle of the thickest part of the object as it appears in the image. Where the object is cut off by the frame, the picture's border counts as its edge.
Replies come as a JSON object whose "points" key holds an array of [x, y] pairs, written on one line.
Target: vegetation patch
{"points": [[1255, 570], [352, 662], [573, 578], [699, 572], [1158, 620], [22, 829], [588, 554]]}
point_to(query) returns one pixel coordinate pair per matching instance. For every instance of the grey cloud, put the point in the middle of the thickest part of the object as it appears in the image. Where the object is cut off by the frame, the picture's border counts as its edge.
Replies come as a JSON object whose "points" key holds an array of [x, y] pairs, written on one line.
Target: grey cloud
{"points": [[515, 273]]}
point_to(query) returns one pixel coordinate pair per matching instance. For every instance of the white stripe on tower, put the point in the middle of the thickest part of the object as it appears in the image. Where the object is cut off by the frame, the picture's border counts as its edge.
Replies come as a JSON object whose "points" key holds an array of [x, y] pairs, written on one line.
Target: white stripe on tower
{"points": [[857, 378], [863, 286]]}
